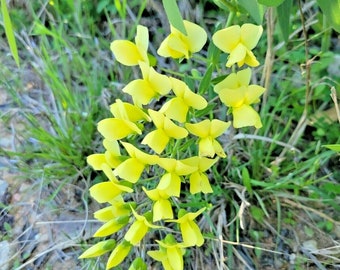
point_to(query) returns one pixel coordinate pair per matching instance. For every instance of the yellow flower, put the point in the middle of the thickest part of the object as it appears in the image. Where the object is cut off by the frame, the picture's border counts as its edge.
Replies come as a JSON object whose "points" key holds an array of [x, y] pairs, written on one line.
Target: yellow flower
{"points": [[177, 107], [238, 42], [117, 208], [98, 249], [129, 53], [127, 111], [178, 45], [126, 121], [139, 228], [111, 156], [118, 254], [199, 181], [170, 253], [132, 168], [112, 226], [235, 92], [191, 233], [153, 85], [158, 139], [162, 208], [170, 182], [207, 131], [109, 190]]}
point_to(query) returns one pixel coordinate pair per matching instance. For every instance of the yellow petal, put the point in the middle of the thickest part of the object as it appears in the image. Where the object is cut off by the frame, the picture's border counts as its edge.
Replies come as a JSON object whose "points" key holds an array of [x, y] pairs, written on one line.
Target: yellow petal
{"points": [[237, 55], [116, 129], [200, 129], [112, 160], [206, 147], [96, 161], [130, 170], [218, 127], [230, 82], [126, 52], [245, 116], [157, 118], [118, 254], [140, 155], [107, 191], [157, 140], [250, 59], [227, 38], [142, 42], [250, 35], [243, 77], [136, 232], [111, 227], [196, 36], [112, 146], [175, 258], [160, 83], [164, 49], [194, 100], [98, 249], [233, 97], [199, 182], [175, 109], [128, 111], [253, 93], [140, 91], [218, 149], [174, 131], [170, 183], [162, 209]]}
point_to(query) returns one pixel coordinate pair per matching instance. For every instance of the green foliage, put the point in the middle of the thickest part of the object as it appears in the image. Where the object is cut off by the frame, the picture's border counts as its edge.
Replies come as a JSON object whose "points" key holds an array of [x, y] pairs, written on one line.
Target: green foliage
{"points": [[331, 10], [174, 15], [9, 32]]}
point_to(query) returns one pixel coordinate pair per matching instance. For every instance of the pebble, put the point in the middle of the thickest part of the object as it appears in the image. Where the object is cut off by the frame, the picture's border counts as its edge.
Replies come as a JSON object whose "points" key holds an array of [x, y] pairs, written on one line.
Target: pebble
{"points": [[5, 255]]}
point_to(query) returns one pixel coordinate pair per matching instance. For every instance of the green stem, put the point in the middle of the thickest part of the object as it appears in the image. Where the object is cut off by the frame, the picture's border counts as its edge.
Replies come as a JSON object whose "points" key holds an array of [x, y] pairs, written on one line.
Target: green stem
{"points": [[230, 18]]}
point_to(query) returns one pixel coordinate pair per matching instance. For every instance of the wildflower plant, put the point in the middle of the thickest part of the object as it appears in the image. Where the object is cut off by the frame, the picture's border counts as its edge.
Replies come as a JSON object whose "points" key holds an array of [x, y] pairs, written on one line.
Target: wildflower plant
{"points": [[165, 152]]}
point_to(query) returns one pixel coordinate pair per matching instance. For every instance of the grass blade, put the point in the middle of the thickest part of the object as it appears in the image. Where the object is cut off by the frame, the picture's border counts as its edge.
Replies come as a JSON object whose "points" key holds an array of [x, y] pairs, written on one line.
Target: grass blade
{"points": [[174, 15], [9, 32]]}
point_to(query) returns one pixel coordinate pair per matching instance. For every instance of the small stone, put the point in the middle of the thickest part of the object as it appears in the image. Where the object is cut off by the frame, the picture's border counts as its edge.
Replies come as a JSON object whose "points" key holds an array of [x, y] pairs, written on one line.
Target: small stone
{"points": [[5, 255], [3, 189]]}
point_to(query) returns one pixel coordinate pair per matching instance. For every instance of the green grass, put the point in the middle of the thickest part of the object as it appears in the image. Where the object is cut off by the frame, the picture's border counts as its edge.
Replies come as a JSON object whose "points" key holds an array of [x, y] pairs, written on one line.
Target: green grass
{"points": [[262, 190]]}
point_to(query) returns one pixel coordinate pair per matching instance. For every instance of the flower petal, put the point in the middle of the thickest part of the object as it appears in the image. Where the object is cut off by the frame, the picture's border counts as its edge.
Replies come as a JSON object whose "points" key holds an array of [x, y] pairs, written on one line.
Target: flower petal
{"points": [[196, 36], [200, 129], [250, 35], [218, 127], [96, 161], [174, 131], [227, 38], [253, 93], [130, 170], [116, 129], [237, 55], [157, 140], [140, 91], [126, 52], [245, 116], [118, 254]]}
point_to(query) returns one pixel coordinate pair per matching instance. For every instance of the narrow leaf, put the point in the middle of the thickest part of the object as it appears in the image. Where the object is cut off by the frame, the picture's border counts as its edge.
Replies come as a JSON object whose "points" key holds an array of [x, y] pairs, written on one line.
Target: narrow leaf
{"points": [[334, 147], [206, 80], [283, 15], [174, 15], [331, 10], [255, 10], [9, 32], [271, 3]]}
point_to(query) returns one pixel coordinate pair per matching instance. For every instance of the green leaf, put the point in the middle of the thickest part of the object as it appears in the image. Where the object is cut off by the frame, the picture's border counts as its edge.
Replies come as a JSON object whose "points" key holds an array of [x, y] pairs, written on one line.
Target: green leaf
{"points": [[334, 147], [271, 3], [255, 10], [174, 15], [206, 80], [9, 32], [331, 10], [246, 180], [283, 15]]}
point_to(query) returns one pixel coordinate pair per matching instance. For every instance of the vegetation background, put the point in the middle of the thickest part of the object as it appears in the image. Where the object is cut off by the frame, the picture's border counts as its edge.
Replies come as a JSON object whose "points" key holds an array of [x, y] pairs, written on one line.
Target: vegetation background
{"points": [[277, 206]]}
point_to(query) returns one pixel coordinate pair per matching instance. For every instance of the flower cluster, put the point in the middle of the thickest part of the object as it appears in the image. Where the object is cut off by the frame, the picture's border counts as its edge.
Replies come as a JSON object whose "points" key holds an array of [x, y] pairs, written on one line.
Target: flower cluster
{"points": [[149, 149]]}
